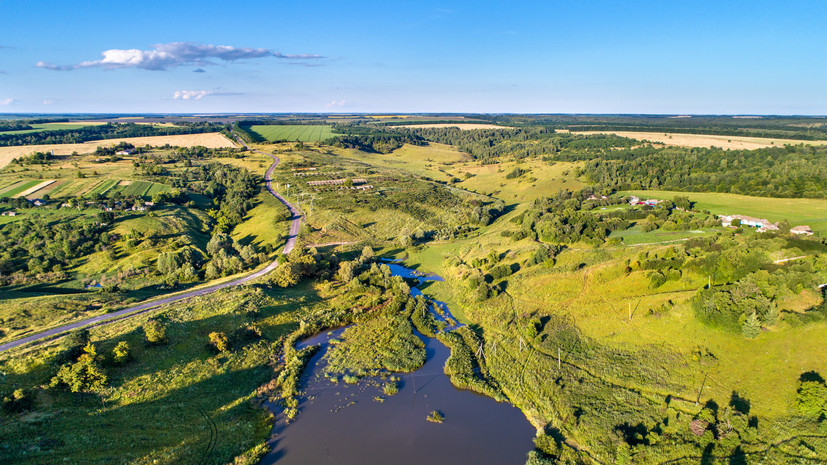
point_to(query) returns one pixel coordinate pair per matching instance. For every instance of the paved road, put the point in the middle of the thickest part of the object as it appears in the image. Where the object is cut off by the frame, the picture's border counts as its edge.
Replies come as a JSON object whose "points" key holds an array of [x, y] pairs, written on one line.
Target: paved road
{"points": [[296, 218]]}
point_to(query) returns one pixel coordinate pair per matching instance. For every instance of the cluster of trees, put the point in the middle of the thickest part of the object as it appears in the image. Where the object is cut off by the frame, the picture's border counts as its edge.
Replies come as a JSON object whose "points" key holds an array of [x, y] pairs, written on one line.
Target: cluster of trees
{"points": [[36, 245], [104, 131], [369, 139], [231, 189], [790, 171], [752, 285], [227, 256], [35, 158]]}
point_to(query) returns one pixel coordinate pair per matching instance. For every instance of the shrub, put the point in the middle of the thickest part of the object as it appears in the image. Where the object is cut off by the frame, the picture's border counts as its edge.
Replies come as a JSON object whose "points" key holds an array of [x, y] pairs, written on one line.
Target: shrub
{"points": [[84, 375], [219, 342], [156, 333], [120, 354]]}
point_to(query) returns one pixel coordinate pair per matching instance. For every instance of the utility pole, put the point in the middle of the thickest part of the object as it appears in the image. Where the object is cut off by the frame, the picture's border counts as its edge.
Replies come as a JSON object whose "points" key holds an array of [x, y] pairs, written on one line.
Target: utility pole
{"points": [[558, 358], [630, 311], [709, 285]]}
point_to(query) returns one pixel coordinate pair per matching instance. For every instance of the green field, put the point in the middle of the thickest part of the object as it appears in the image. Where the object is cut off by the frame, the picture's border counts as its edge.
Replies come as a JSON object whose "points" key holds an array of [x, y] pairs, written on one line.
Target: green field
{"points": [[20, 188], [293, 133], [810, 212], [52, 127]]}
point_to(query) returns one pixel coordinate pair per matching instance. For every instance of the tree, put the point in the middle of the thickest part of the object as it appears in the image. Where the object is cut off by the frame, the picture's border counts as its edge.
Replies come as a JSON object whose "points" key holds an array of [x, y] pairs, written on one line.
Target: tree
{"points": [[751, 327], [367, 254], [220, 241], [84, 375], [812, 395], [155, 332], [346, 272], [286, 275], [120, 354]]}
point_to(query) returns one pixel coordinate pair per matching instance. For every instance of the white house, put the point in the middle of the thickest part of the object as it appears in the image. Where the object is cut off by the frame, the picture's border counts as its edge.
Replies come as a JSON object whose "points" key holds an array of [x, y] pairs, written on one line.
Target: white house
{"points": [[804, 230]]}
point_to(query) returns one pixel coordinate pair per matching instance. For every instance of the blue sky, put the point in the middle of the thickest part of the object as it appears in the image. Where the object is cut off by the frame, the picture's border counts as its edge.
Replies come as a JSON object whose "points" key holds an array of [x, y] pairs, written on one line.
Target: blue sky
{"points": [[541, 57]]}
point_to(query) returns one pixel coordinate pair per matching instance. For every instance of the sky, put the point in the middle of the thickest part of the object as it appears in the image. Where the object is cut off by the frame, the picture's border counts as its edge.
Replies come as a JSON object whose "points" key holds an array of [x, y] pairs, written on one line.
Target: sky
{"points": [[658, 57]]}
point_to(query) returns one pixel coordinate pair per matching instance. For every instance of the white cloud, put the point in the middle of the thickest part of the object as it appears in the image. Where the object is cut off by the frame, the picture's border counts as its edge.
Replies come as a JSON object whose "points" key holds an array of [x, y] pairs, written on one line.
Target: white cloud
{"points": [[171, 55], [48, 101], [336, 104], [6, 101], [191, 94]]}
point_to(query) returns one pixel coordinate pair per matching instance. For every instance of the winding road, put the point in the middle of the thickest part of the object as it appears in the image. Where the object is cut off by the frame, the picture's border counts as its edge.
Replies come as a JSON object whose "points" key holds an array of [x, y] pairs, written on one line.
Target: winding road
{"points": [[295, 223]]}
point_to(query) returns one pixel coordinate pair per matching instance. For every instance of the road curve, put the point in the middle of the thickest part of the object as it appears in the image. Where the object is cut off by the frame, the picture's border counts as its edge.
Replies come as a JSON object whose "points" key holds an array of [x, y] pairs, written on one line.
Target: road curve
{"points": [[295, 223]]}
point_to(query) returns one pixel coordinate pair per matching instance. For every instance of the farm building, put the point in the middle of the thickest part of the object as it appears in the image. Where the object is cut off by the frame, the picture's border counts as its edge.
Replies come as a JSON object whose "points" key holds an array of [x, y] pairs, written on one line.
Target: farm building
{"points": [[9, 214], [125, 152], [804, 230], [761, 224], [636, 201], [335, 182]]}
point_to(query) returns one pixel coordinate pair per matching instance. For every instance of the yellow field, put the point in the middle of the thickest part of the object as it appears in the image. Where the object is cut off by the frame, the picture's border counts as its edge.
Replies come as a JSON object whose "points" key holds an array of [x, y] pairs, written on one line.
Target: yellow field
{"points": [[463, 126], [210, 140], [705, 140]]}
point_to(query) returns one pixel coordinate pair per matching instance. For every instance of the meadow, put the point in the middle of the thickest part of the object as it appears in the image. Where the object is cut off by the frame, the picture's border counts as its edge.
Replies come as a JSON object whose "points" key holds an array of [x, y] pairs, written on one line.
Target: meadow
{"points": [[294, 133]]}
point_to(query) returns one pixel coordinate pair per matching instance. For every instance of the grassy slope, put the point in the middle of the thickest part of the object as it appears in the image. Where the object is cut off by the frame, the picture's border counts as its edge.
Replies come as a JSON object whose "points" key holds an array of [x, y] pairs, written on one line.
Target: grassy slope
{"points": [[175, 403]]}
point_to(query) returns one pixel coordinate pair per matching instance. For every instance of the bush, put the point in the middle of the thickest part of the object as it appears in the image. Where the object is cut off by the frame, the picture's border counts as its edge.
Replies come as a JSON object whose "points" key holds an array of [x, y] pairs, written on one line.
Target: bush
{"points": [[84, 375], [156, 333], [120, 354], [812, 395], [219, 342], [500, 271]]}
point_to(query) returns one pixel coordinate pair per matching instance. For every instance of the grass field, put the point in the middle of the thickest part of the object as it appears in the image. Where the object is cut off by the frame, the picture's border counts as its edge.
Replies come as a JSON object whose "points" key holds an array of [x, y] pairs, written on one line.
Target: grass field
{"points": [[541, 179], [704, 140], [296, 133], [431, 160], [810, 212]]}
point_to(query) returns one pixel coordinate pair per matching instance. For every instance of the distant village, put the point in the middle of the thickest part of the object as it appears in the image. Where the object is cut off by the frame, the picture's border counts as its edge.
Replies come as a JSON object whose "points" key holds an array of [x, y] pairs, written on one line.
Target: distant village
{"points": [[734, 221], [117, 205]]}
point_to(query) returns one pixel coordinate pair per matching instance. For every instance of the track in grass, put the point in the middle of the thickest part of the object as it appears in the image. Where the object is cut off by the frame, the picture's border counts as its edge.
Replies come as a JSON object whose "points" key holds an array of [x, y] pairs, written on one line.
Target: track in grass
{"points": [[293, 132]]}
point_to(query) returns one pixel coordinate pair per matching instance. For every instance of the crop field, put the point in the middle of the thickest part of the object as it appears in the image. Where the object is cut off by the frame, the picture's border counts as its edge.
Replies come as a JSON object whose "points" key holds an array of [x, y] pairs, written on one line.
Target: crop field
{"points": [[209, 140], [705, 140], [20, 188], [297, 133], [810, 212], [103, 187]]}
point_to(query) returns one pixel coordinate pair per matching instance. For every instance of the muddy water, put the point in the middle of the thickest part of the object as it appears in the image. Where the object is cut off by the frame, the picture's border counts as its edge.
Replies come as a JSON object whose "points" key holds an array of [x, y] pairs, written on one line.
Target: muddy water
{"points": [[345, 424]]}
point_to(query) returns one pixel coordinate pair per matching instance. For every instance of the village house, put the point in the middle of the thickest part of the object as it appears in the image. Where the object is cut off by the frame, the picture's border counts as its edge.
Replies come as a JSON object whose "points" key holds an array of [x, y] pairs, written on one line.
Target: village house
{"points": [[803, 230], [761, 224], [125, 152], [9, 214]]}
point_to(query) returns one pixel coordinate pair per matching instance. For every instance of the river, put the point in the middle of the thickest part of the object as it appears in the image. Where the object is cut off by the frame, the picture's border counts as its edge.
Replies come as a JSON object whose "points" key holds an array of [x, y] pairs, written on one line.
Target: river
{"points": [[346, 425]]}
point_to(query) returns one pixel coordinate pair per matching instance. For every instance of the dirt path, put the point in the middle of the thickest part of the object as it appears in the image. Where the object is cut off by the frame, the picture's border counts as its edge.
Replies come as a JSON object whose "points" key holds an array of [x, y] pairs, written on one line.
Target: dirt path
{"points": [[296, 217]]}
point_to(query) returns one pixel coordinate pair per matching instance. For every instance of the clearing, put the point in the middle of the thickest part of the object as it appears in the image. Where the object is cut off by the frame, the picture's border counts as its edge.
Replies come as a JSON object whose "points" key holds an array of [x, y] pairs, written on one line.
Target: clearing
{"points": [[706, 140]]}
